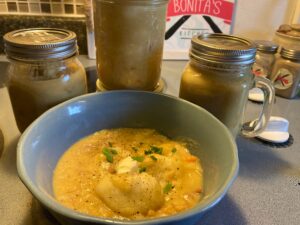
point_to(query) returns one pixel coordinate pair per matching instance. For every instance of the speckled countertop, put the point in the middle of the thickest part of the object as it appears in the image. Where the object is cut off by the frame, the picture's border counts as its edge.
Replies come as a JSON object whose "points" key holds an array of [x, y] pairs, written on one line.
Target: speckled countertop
{"points": [[266, 192]]}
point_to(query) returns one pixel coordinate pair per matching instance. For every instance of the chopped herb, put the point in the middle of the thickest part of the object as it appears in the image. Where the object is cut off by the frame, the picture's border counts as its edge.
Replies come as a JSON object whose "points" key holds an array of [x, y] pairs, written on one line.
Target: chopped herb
{"points": [[148, 152], [174, 150], [156, 150], [110, 144], [135, 149], [138, 158], [169, 186], [108, 155], [143, 169], [153, 157]]}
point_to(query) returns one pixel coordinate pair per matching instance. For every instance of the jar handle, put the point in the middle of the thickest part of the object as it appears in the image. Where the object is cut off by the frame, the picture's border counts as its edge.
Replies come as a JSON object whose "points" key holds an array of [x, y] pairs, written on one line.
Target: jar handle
{"points": [[252, 129]]}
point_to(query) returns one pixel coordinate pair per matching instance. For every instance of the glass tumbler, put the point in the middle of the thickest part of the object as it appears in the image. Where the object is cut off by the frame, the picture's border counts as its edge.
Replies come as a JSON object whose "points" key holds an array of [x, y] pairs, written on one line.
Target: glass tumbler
{"points": [[129, 37]]}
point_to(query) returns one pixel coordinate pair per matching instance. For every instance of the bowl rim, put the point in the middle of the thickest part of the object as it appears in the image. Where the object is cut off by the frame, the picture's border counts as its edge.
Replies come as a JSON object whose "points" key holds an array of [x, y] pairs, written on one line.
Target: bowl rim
{"points": [[52, 204]]}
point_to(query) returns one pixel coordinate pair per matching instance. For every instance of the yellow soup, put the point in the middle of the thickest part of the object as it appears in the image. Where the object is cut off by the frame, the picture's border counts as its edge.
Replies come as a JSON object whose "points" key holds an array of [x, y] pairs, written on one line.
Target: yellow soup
{"points": [[128, 174]]}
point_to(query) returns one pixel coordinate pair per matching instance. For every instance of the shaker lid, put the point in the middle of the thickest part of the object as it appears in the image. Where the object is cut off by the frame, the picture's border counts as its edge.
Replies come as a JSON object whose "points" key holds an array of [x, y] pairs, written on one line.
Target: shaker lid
{"points": [[40, 44], [222, 48], [266, 46], [290, 53]]}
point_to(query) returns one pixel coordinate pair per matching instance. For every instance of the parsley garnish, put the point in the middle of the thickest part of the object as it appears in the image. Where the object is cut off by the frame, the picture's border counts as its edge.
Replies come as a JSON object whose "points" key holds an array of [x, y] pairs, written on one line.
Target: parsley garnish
{"points": [[138, 158], [143, 169], [169, 186], [148, 152], [109, 154], [174, 150], [153, 157], [156, 150]]}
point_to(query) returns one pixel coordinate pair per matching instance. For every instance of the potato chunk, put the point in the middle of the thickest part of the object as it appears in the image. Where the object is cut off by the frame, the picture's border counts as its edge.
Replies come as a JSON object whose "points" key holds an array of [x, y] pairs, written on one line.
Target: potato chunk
{"points": [[130, 194]]}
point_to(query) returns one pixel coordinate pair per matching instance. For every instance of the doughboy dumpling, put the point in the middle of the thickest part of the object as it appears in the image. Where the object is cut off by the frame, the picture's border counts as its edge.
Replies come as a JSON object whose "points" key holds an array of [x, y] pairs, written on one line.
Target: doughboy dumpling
{"points": [[129, 194]]}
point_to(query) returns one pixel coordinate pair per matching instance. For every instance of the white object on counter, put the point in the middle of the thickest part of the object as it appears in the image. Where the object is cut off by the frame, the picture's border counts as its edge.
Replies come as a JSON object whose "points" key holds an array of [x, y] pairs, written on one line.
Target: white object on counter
{"points": [[256, 94], [276, 130]]}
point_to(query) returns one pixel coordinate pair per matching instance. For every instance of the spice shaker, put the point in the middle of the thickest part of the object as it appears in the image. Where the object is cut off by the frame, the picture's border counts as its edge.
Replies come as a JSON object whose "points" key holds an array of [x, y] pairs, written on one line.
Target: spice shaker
{"points": [[265, 58], [286, 73], [44, 71], [218, 78]]}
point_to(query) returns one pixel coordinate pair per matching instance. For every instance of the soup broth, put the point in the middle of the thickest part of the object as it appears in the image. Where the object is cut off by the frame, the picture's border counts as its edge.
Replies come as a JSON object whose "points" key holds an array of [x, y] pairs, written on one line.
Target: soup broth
{"points": [[128, 173]]}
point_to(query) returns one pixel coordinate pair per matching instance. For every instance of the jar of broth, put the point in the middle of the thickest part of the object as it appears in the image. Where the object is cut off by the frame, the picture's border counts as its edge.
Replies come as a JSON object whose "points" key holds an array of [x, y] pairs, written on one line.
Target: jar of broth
{"points": [[129, 37], [44, 71], [218, 78]]}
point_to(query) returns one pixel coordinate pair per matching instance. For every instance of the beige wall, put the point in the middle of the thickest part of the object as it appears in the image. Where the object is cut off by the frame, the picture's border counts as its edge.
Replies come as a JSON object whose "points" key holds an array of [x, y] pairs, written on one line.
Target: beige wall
{"points": [[259, 19]]}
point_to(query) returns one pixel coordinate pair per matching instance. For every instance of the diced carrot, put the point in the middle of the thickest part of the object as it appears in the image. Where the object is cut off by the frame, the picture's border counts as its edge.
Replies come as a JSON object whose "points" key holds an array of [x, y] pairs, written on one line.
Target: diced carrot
{"points": [[191, 158], [198, 190]]}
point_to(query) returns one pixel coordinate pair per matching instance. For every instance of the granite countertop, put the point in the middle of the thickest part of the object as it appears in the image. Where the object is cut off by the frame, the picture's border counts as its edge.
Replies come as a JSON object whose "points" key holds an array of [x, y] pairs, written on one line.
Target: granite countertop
{"points": [[267, 190]]}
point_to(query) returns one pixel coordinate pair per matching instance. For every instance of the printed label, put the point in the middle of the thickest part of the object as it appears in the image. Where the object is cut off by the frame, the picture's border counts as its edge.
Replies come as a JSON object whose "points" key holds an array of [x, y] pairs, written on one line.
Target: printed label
{"points": [[187, 18], [258, 70], [283, 79]]}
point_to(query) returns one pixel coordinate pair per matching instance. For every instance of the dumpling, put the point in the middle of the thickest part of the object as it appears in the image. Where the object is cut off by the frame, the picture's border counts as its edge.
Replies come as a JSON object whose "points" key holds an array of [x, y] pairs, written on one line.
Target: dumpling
{"points": [[130, 194]]}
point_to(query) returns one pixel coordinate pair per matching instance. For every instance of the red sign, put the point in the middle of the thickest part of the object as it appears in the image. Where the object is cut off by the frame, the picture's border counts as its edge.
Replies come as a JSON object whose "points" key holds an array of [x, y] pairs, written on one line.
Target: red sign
{"points": [[218, 8]]}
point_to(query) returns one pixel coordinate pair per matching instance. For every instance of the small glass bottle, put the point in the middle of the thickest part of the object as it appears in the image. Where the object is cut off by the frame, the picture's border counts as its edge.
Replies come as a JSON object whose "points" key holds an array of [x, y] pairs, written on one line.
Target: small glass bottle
{"points": [[286, 73], [44, 71], [264, 58], [218, 78]]}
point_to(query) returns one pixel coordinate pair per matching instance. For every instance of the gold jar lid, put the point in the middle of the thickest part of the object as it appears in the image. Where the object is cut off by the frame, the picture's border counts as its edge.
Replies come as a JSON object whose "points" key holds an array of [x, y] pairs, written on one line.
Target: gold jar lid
{"points": [[290, 53], [40, 44], [222, 48]]}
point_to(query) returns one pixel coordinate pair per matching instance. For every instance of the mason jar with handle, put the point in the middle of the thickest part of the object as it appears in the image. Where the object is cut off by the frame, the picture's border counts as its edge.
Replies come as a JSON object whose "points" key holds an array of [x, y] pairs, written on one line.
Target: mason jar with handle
{"points": [[129, 37], [219, 77]]}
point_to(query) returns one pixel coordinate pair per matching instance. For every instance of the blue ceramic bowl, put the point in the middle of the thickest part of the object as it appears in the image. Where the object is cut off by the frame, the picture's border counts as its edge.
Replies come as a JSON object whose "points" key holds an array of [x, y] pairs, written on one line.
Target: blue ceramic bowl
{"points": [[44, 142]]}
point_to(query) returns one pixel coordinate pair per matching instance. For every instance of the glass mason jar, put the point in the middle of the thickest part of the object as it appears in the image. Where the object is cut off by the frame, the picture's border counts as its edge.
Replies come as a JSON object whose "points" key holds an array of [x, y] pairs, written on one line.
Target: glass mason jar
{"points": [[43, 72], [264, 58], [129, 37], [286, 73], [218, 78]]}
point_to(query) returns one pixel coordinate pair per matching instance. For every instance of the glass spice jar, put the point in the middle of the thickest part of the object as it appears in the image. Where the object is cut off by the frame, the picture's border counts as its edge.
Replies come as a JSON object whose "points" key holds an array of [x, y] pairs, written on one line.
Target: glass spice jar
{"points": [[264, 58], [286, 73], [44, 71], [218, 78]]}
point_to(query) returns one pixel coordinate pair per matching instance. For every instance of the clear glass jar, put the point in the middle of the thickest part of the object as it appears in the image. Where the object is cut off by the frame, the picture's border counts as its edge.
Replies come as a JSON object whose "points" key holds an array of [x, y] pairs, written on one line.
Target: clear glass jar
{"points": [[218, 78], [286, 73], [129, 42], [35, 84], [264, 58]]}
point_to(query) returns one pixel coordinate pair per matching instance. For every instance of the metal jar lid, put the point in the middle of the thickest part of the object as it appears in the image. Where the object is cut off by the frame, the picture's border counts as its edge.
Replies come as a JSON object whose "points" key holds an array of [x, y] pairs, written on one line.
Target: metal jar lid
{"points": [[40, 44], [290, 53], [222, 48], [266, 46]]}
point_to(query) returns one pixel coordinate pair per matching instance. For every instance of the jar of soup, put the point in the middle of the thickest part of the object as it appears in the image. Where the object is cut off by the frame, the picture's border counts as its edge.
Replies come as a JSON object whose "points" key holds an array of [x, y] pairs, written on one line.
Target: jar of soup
{"points": [[286, 73], [44, 71], [264, 58], [218, 78], [129, 37]]}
